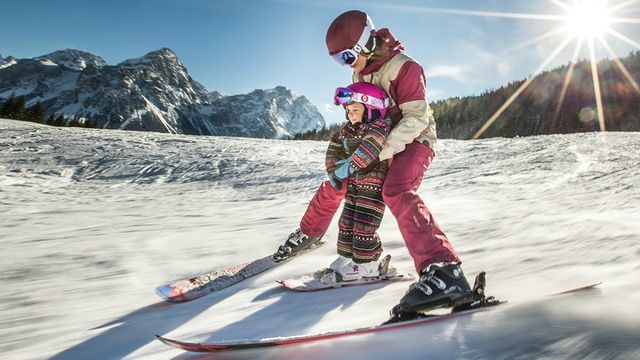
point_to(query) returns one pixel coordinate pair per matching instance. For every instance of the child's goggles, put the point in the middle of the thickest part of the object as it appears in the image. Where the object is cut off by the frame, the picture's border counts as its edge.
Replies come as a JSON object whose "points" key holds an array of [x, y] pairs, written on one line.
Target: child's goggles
{"points": [[344, 96]]}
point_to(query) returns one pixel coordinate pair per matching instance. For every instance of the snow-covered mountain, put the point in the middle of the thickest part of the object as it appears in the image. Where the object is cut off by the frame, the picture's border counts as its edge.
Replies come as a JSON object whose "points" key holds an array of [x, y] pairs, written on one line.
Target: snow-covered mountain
{"points": [[92, 220], [6, 62], [151, 93], [276, 111], [74, 59]]}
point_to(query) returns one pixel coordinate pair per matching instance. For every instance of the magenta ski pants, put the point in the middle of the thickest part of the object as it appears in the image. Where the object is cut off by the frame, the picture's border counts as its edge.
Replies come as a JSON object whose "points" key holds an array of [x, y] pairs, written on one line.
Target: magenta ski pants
{"points": [[424, 238]]}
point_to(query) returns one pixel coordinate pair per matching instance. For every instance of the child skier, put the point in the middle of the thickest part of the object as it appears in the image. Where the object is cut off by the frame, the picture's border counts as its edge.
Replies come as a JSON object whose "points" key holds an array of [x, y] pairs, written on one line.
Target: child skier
{"points": [[352, 163]]}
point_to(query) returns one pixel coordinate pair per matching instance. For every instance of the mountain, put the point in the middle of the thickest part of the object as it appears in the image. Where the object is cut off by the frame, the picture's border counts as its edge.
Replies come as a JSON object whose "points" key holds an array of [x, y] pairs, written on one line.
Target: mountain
{"points": [[6, 62], [286, 114], [74, 59], [151, 93]]}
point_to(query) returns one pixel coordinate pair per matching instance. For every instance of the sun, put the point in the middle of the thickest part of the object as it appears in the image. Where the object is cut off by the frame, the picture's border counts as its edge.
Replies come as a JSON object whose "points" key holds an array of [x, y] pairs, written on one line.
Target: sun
{"points": [[587, 18]]}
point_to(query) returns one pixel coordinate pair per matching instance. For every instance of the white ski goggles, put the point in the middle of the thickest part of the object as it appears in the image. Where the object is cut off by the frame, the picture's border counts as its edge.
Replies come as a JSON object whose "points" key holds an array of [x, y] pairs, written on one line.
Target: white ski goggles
{"points": [[347, 57]]}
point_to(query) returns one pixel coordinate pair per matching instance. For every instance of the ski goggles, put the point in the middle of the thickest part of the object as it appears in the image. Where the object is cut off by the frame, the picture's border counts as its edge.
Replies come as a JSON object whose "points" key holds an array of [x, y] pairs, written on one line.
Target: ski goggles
{"points": [[347, 57], [344, 96]]}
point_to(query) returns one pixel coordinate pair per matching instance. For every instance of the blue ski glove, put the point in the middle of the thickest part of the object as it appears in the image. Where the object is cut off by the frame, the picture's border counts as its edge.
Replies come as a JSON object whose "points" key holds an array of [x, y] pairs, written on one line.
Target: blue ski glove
{"points": [[343, 171]]}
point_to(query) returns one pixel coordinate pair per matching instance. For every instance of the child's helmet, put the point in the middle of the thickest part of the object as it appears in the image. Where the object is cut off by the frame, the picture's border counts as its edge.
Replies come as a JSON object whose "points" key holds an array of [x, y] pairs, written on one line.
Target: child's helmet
{"points": [[372, 97]]}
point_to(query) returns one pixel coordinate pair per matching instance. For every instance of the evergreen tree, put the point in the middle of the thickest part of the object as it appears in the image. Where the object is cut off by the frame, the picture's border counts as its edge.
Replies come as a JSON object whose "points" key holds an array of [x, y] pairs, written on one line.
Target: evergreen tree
{"points": [[51, 119], [10, 108], [325, 133], [36, 113], [60, 120]]}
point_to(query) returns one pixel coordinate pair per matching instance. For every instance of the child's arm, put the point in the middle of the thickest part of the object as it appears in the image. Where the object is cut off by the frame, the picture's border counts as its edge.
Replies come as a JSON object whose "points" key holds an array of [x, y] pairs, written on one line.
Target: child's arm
{"points": [[367, 152], [371, 145], [335, 153]]}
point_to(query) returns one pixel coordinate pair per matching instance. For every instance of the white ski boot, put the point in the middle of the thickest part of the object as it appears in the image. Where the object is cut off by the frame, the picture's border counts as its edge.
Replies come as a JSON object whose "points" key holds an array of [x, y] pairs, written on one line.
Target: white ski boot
{"points": [[344, 269]]}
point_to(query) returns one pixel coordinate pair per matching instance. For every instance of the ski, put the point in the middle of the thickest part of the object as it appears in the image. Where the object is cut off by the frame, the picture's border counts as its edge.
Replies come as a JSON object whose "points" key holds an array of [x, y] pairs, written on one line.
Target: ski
{"points": [[288, 340], [197, 286], [318, 280], [309, 283], [425, 319]]}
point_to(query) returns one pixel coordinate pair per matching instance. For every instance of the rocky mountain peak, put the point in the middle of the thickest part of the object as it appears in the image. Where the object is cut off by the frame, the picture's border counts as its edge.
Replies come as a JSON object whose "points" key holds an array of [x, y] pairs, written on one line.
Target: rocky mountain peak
{"points": [[6, 62], [73, 59], [152, 93], [164, 57]]}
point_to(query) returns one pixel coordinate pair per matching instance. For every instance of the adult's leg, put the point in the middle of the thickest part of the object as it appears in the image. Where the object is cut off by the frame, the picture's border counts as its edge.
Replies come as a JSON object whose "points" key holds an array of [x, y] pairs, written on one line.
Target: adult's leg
{"points": [[323, 206], [425, 239]]}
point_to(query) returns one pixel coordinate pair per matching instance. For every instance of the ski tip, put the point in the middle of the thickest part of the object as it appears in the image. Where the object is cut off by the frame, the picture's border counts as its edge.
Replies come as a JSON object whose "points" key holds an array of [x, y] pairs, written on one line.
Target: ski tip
{"points": [[168, 293], [289, 285], [162, 339], [579, 288], [168, 341]]}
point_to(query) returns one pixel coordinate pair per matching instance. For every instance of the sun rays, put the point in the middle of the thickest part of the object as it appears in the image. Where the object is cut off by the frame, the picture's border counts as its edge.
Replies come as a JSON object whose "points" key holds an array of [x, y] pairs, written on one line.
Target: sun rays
{"points": [[584, 22]]}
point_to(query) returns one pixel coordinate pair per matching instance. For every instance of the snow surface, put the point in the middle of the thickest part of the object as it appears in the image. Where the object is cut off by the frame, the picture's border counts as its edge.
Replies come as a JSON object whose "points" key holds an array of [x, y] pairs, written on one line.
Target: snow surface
{"points": [[92, 220]]}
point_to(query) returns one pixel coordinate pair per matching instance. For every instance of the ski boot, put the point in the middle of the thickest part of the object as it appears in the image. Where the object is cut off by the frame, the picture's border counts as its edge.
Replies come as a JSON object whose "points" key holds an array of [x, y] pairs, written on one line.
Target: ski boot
{"points": [[296, 242], [440, 285], [344, 269]]}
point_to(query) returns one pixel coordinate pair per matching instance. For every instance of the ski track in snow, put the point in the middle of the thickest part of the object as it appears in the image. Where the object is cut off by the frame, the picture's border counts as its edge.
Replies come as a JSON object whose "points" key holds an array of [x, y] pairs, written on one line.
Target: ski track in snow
{"points": [[92, 220]]}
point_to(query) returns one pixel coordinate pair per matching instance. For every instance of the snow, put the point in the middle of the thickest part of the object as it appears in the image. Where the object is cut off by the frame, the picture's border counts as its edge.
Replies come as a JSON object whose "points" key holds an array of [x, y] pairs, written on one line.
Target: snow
{"points": [[5, 63], [92, 220], [73, 59]]}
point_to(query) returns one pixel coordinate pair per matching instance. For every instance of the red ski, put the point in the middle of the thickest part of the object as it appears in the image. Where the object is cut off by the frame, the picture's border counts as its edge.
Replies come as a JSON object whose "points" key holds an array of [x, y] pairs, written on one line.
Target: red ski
{"points": [[469, 309]]}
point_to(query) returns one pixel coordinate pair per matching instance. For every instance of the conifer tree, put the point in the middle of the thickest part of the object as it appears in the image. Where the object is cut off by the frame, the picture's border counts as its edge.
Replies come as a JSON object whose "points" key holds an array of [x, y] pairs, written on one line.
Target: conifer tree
{"points": [[35, 113], [60, 120]]}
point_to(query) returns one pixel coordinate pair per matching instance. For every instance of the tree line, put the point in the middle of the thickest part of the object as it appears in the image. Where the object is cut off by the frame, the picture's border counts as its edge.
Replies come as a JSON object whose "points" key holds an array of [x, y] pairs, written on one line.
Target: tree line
{"points": [[15, 108], [548, 106], [324, 133]]}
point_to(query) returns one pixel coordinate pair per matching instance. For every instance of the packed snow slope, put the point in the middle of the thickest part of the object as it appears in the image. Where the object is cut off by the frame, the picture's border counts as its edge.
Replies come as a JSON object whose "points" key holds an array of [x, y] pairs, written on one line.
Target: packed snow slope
{"points": [[92, 220]]}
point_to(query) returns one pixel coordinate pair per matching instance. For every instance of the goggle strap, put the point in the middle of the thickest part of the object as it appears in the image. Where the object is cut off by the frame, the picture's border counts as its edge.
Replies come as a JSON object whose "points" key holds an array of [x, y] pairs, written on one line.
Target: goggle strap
{"points": [[366, 34], [366, 99]]}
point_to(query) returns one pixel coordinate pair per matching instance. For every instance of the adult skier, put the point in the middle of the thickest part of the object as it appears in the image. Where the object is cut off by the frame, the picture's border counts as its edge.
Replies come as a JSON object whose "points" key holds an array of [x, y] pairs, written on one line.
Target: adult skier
{"points": [[378, 58]]}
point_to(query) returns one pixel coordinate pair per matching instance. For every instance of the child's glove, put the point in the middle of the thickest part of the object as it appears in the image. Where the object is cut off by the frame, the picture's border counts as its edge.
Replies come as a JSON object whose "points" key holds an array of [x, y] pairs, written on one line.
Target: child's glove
{"points": [[335, 182], [343, 171]]}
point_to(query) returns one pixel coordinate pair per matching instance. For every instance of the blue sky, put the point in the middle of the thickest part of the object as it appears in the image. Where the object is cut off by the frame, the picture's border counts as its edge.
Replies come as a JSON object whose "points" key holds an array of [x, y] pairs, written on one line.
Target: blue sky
{"points": [[238, 46]]}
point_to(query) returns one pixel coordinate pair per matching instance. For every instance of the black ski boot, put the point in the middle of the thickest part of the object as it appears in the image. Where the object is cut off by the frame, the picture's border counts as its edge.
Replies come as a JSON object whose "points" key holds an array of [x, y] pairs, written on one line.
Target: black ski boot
{"points": [[296, 242], [440, 285]]}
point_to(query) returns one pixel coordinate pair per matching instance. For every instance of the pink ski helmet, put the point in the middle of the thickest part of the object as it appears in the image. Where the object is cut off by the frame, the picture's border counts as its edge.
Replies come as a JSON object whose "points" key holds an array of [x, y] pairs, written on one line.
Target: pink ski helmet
{"points": [[372, 97]]}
